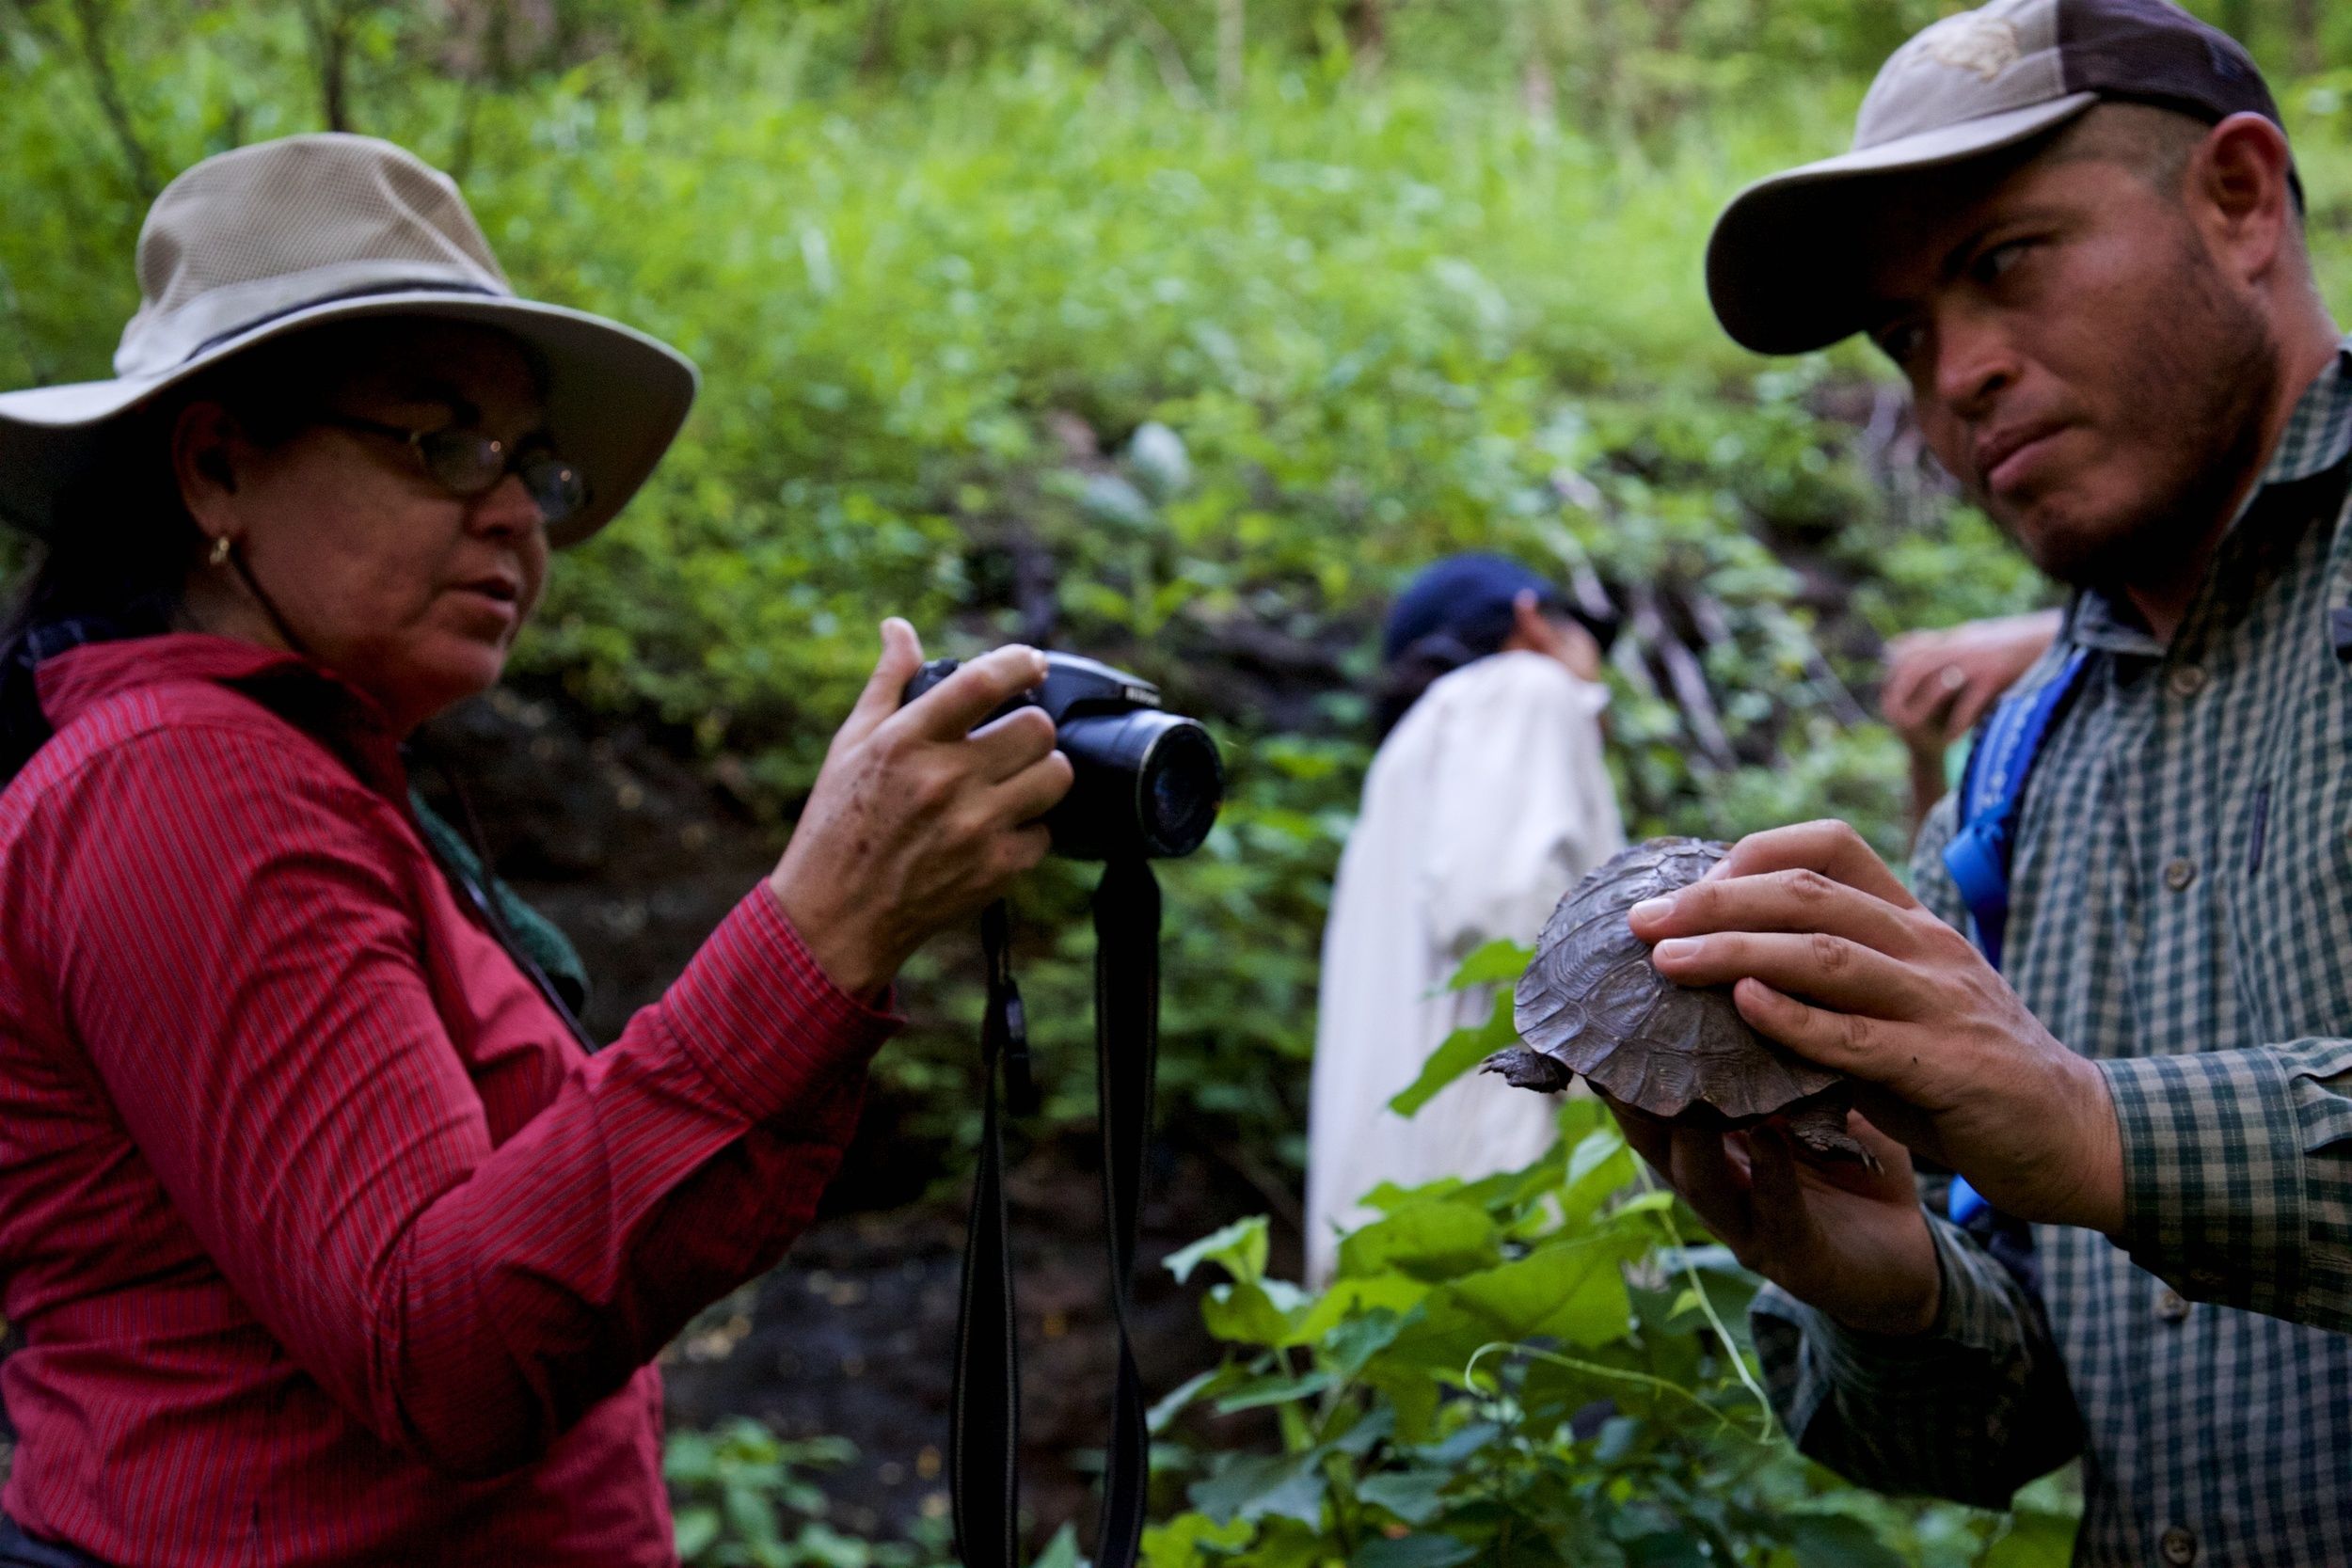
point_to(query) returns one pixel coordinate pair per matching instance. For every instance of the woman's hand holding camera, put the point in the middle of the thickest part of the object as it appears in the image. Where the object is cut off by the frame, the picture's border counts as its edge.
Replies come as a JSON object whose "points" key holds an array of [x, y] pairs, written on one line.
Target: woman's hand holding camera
{"points": [[917, 821]]}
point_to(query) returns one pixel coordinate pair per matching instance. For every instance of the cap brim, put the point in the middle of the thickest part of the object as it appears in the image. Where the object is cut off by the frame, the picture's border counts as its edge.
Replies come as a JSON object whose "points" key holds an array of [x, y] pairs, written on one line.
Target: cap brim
{"points": [[615, 401], [1785, 264]]}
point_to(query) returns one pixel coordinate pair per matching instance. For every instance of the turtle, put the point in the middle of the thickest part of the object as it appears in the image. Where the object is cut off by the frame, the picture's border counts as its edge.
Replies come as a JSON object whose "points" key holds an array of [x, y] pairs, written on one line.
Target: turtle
{"points": [[1590, 1003]]}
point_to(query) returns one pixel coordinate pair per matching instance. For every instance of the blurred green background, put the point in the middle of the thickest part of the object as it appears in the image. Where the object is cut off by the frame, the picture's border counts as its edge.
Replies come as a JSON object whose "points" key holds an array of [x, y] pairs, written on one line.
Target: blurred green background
{"points": [[1376, 279]]}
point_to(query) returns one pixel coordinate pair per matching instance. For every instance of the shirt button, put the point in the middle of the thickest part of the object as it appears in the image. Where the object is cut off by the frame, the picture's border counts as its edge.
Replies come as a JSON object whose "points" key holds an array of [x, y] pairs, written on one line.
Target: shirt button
{"points": [[2179, 1546], [2179, 873], [2171, 1306], [2186, 681]]}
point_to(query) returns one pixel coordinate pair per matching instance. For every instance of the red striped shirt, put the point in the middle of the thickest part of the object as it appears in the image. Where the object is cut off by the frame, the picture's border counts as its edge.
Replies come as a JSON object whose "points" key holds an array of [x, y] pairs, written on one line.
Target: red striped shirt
{"points": [[326, 1241]]}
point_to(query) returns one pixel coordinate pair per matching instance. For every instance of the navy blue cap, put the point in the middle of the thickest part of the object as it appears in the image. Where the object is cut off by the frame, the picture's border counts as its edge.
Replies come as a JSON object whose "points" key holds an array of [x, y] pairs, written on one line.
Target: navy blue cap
{"points": [[1467, 596]]}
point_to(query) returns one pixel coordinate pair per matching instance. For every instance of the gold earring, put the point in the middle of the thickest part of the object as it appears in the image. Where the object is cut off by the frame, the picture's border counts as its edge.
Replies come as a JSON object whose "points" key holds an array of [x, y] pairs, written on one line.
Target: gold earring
{"points": [[221, 547]]}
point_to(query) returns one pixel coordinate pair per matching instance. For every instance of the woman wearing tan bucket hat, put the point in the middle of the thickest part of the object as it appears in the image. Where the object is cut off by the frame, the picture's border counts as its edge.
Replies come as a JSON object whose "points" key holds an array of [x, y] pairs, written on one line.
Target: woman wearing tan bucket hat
{"points": [[327, 1240]]}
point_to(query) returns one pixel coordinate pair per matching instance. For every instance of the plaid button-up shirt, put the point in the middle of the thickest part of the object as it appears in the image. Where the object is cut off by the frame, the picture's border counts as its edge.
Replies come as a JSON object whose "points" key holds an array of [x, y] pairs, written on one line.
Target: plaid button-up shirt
{"points": [[2181, 912]]}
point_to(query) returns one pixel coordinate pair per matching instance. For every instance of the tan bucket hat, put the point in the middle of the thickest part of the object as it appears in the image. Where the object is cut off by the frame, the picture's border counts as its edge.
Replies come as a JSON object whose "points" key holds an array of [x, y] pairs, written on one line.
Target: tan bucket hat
{"points": [[1783, 267], [254, 244]]}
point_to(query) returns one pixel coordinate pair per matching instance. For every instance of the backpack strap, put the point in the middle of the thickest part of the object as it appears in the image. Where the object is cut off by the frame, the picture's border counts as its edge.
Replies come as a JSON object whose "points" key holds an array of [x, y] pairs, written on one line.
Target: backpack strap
{"points": [[1993, 795], [1992, 798]]}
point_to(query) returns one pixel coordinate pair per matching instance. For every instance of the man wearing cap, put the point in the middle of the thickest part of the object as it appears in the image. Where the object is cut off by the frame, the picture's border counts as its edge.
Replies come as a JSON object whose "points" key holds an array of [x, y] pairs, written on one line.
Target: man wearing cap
{"points": [[329, 1238], [2075, 227]]}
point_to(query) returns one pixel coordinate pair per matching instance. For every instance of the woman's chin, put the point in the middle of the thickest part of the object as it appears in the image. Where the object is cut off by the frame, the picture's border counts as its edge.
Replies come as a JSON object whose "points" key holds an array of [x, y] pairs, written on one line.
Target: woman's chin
{"points": [[430, 687]]}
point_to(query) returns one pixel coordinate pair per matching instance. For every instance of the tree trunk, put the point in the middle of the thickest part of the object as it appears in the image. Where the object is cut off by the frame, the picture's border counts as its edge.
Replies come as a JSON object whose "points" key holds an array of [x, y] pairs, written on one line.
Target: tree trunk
{"points": [[1230, 26], [1602, 62], [1671, 15], [329, 24], [875, 47], [2305, 16], [90, 21], [1231, 22], [1368, 31]]}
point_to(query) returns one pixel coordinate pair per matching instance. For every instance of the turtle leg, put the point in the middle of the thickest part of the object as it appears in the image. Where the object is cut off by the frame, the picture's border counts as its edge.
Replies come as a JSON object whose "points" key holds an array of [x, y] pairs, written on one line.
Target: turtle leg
{"points": [[1820, 1129], [1523, 1068]]}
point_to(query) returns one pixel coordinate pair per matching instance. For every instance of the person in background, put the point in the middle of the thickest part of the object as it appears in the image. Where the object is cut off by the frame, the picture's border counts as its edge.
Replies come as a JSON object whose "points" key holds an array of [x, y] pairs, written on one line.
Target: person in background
{"points": [[330, 1238], [1939, 683], [1488, 801]]}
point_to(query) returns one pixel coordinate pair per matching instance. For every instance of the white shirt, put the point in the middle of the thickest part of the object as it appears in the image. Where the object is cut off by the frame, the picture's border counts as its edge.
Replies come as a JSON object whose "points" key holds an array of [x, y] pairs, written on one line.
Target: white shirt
{"points": [[1485, 805]]}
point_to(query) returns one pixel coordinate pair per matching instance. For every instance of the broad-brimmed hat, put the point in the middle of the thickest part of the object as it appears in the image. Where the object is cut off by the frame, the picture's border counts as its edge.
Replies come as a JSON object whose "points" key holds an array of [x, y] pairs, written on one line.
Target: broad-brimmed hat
{"points": [[1784, 264], [252, 245]]}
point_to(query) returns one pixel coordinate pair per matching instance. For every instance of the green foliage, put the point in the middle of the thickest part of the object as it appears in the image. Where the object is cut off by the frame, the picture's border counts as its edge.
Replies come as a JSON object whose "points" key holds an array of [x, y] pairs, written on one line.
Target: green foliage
{"points": [[742, 1499], [1547, 1366], [1400, 280]]}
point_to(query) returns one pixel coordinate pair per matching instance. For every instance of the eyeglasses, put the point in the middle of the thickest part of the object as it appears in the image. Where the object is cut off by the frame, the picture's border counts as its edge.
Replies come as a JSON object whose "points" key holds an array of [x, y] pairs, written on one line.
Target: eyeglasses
{"points": [[467, 461]]}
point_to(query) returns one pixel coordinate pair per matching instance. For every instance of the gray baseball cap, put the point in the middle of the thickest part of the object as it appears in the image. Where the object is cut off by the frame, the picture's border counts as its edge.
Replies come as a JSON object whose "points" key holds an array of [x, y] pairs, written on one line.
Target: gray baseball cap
{"points": [[251, 245], [1784, 264]]}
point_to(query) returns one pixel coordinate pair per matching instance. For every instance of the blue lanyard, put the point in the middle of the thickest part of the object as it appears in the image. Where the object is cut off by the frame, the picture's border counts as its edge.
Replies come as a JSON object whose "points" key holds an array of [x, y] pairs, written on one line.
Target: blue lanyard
{"points": [[1992, 798]]}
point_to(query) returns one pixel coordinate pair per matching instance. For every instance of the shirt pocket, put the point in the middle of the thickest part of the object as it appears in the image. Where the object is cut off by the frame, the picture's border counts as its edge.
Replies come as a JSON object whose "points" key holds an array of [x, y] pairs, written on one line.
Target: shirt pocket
{"points": [[2287, 838]]}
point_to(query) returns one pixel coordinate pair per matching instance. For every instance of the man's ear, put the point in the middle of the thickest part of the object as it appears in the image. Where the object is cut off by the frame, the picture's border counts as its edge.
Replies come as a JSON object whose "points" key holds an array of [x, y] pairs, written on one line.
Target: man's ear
{"points": [[203, 441], [2237, 185]]}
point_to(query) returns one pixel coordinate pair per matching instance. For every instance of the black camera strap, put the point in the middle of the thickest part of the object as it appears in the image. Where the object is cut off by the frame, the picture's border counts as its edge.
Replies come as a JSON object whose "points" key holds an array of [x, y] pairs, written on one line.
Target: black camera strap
{"points": [[984, 1436], [1126, 1055]]}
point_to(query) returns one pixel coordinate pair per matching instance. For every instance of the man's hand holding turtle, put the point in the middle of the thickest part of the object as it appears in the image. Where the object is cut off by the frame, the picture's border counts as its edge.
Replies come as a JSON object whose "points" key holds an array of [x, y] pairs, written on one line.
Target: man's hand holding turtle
{"points": [[1829, 954], [1845, 1236]]}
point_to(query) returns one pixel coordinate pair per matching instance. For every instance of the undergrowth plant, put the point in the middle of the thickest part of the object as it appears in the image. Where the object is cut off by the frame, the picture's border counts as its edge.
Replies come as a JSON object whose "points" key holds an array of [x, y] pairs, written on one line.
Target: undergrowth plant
{"points": [[937, 290], [744, 1497], [1546, 1366]]}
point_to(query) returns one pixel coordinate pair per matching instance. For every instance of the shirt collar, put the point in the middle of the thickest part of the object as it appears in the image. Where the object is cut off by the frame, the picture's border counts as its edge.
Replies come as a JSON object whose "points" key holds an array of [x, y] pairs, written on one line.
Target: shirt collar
{"points": [[346, 719], [2317, 437], [2319, 432]]}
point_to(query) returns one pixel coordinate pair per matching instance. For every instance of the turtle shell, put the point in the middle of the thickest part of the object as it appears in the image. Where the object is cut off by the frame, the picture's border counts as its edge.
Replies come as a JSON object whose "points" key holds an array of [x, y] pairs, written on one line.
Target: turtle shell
{"points": [[1592, 1004]]}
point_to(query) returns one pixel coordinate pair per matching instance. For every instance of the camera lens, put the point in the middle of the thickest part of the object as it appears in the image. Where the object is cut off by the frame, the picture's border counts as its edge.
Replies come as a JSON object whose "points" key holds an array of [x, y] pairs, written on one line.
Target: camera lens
{"points": [[1148, 783], [1183, 783]]}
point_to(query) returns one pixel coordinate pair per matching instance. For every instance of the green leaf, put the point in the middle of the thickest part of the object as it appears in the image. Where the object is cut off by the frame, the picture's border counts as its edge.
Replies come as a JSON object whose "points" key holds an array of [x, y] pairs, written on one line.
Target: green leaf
{"points": [[1499, 962], [1240, 1249], [1412, 1496], [1260, 1487], [1259, 1392], [1178, 1543], [1573, 1290], [1413, 1393], [1414, 1551], [1193, 1388], [1352, 1344], [1593, 1150], [1289, 1544], [1457, 1055], [2034, 1539], [696, 1530], [1386, 1292], [1252, 1314], [1835, 1541], [1645, 1203], [1388, 1197], [1428, 1241], [1060, 1552], [1356, 1437], [1599, 1167]]}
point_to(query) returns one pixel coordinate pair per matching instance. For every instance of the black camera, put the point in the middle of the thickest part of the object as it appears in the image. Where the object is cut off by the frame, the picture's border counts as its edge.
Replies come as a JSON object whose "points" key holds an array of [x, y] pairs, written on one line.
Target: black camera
{"points": [[1147, 782]]}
